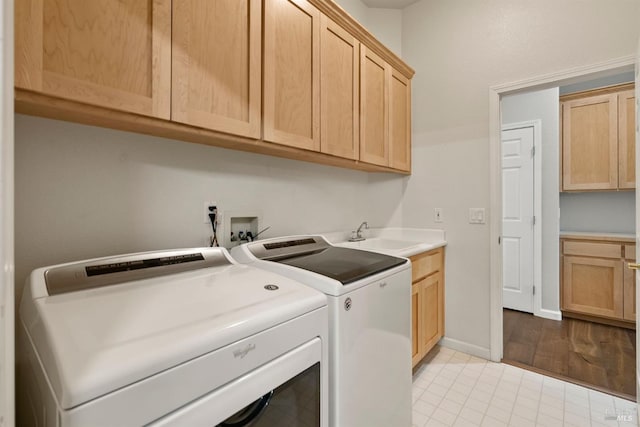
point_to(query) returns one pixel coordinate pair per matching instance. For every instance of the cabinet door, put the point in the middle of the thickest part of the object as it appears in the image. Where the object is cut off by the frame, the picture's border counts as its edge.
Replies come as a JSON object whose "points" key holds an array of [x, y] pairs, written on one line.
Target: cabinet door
{"points": [[590, 143], [629, 294], [114, 54], [399, 122], [374, 111], [627, 139], [592, 286], [416, 324], [292, 73], [216, 65], [340, 91], [431, 300]]}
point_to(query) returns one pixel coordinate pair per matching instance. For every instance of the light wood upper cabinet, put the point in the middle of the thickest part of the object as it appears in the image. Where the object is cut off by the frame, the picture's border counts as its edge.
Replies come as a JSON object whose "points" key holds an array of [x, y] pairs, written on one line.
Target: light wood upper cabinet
{"points": [[590, 143], [340, 91], [216, 78], [292, 73], [114, 54], [399, 122], [627, 139], [374, 112], [598, 140], [299, 79]]}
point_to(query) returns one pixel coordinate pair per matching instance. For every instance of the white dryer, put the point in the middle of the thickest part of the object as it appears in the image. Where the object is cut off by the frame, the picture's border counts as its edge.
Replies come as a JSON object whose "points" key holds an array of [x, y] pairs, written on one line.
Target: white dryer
{"points": [[369, 297], [184, 337]]}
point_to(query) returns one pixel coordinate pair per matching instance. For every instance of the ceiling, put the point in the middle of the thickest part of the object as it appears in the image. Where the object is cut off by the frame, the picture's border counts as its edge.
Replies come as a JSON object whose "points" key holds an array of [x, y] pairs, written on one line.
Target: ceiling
{"points": [[389, 4]]}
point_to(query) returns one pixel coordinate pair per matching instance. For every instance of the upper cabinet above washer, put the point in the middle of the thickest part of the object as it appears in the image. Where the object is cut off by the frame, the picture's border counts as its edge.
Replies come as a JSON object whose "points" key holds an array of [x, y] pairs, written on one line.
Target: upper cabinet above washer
{"points": [[216, 60], [292, 73], [292, 78], [114, 54]]}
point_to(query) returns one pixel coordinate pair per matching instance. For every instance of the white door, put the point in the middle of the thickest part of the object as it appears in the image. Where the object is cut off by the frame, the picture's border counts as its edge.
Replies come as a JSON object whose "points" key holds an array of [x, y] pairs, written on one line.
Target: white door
{"points": [[517, 218]]}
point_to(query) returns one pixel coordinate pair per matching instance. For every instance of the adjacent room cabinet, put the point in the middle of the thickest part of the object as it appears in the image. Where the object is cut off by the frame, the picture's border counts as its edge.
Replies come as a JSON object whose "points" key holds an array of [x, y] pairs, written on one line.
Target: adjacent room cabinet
{"points": [[598, 139], [114, 54], [629, 288], [595, 281], [292, 78], [427, 302]]}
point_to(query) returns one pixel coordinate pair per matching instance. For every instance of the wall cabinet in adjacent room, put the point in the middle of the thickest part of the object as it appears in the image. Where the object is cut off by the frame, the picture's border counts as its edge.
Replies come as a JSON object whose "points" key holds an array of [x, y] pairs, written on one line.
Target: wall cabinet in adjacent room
{"points": [[598, 139]]}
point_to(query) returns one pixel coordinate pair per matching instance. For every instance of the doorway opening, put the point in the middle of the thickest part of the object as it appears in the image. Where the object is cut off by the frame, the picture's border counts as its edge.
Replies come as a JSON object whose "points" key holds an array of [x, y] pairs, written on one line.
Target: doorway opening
{"points": [[501, 273]]}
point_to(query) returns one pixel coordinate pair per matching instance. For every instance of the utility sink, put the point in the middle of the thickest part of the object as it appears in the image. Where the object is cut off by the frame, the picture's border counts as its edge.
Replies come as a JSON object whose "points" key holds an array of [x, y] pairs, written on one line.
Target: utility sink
{"points": [[379, 244]]}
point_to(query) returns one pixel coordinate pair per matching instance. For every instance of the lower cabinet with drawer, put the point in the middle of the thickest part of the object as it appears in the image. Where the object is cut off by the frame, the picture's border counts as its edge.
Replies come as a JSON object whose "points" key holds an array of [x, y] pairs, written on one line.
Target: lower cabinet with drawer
{"points": [[595, 282], [427, 301]]}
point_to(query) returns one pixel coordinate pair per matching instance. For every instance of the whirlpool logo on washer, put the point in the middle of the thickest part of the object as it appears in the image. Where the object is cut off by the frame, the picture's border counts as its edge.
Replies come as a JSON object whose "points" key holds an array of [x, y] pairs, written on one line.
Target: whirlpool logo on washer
{"points": [[241, 353]]}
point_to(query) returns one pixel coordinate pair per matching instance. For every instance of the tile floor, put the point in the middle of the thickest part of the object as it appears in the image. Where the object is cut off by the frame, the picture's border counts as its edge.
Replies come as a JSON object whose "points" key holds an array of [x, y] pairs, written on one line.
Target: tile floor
{"points": [[456, 389]]}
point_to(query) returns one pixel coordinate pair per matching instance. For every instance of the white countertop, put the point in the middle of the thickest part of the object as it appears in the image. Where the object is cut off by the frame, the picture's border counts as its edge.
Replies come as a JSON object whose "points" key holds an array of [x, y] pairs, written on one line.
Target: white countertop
{"points": [[597, 235], [405, 241]]}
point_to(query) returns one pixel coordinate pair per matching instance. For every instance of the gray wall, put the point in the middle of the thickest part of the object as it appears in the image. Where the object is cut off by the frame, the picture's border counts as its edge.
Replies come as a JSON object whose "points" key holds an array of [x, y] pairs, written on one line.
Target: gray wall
{"points": [[606, 212], [543, 105]]}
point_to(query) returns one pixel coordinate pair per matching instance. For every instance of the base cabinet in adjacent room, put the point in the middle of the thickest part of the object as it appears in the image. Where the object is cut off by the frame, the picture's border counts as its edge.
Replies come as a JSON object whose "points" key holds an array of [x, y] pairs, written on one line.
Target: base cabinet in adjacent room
{"points": [[595, 282]]}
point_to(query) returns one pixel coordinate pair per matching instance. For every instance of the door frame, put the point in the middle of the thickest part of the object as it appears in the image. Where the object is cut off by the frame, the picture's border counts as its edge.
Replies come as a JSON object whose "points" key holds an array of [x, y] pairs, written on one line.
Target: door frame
{"points": [[537, 207], [564, 77], [7, 265]]}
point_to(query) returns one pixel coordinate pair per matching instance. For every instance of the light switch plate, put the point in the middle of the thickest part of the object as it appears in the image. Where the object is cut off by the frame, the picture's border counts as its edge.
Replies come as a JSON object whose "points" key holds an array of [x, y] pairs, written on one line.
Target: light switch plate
{"points": [[437, 215], [476, 216]]}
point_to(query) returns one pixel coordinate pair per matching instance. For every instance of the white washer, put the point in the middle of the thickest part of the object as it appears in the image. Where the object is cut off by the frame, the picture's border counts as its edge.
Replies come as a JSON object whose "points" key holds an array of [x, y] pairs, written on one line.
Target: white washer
{"points": [[185, 337], [369, 323]]}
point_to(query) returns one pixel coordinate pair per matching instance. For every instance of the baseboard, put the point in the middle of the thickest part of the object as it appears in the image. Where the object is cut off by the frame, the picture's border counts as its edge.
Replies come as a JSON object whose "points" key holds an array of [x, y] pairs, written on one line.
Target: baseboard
{"points": [[549, 314], [465, 347]]}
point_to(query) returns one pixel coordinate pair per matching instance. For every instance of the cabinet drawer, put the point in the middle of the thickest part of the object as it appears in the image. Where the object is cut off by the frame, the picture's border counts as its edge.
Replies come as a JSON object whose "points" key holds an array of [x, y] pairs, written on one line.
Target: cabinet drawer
{"points": [[425, 264], [630, 252], [604, 250]]}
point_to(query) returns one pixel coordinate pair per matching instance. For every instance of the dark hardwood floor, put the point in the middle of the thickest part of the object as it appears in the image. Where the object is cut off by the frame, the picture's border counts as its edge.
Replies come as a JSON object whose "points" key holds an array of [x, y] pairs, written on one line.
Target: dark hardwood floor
{"points": [[590, 354]]}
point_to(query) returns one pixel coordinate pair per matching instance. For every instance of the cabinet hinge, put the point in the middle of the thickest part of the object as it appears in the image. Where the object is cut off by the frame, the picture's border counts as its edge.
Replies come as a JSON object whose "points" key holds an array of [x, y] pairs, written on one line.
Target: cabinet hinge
{"points": [[533, 220], [533, 151], [534, 290], [499, 239]]}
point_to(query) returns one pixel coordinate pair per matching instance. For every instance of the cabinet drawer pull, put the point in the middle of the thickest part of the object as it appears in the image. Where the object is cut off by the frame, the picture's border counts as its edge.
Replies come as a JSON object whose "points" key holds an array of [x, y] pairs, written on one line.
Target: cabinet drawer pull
{"points": [[631, 266]]}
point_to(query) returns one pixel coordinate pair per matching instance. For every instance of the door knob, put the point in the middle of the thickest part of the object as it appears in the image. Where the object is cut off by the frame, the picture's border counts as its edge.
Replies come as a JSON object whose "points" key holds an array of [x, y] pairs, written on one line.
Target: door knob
{"points": [[633, 266]]}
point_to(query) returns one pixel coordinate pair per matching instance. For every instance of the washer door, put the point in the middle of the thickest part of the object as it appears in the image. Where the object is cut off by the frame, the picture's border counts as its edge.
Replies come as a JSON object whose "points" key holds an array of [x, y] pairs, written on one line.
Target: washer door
{"points": [[283, 392]]}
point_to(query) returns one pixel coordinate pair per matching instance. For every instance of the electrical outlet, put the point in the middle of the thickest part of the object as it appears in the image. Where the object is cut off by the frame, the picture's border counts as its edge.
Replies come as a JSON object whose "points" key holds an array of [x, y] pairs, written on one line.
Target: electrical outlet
{"points": [[476, 216], [207, 211], [437, 215]]}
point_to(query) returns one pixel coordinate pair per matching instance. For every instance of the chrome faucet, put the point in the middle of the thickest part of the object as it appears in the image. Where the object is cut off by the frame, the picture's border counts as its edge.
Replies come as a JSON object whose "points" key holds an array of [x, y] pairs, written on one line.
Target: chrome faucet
{"points": [[356, 236]]}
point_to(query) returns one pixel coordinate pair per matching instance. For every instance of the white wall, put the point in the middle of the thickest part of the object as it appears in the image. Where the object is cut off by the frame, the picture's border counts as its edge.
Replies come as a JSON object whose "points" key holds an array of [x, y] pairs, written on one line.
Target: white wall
{"points": [[544, 106], [605, 212], [459, 49], [86, 192], [384, 24]]}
